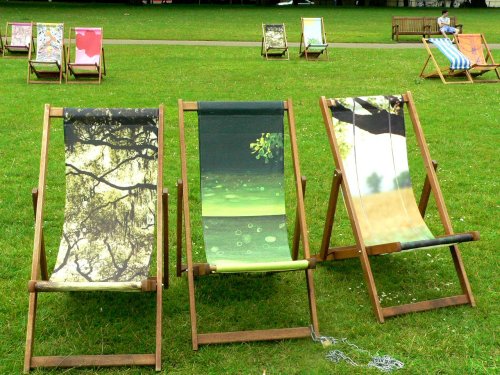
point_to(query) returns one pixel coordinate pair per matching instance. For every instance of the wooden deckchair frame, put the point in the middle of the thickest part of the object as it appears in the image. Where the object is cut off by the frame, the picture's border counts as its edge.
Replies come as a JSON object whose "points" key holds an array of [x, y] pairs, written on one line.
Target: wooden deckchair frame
{"points": [[39, 275], [197, 269], [46, 76], [443, 72], [479, 69], [6, 47], [362, 251], [303, 49], [90, 76], [274, 53]]}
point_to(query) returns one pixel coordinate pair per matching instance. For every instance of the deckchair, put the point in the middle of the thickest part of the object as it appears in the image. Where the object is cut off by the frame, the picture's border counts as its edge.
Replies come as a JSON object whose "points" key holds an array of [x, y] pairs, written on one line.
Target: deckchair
{"points": [[114, 196], [474, 47], [313, 38], [274, 44], [18, 39], [242, 204], [368, 143], [89, 65], [48, 65], [459, 64]]}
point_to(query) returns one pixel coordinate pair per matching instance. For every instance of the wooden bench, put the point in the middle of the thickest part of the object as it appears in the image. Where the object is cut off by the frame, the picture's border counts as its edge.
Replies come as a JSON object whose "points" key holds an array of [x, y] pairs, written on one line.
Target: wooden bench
{"points": [[425, 26]]}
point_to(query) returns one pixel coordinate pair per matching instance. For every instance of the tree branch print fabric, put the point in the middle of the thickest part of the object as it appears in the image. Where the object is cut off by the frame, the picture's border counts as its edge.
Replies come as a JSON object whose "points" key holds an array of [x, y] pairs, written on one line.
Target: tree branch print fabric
{"points": [[111, 182]]}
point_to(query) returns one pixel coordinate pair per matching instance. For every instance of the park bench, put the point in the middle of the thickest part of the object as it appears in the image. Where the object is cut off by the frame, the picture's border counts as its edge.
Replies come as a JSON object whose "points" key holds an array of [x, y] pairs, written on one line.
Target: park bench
{"points": [[425, 26]]}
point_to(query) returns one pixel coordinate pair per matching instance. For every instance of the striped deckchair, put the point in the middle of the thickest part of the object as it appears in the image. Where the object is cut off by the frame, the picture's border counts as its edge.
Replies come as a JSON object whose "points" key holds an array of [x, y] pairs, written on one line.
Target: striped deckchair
{"points": [[313, 38], [368, 141], [48, 65], [474, 46], [18, 39], [459, 63], [88, 64], [241, 159], [274, 44], [115, 214]]}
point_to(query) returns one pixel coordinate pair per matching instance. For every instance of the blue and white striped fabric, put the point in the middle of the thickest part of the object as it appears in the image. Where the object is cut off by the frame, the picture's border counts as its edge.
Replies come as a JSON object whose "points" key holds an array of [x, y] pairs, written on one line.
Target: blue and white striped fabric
{"points": [[457, 58]]}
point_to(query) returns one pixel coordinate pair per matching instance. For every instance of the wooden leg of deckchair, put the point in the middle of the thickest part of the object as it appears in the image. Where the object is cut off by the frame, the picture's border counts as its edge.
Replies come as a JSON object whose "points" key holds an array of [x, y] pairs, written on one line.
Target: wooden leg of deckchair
{"points": [[165, 240], [370, 283], [30, 331], [192, 308], [296, 232], [462, 275], [312, 301], [330, 214], [159, 322], [179, 229], [426, 192], [43, 257]]}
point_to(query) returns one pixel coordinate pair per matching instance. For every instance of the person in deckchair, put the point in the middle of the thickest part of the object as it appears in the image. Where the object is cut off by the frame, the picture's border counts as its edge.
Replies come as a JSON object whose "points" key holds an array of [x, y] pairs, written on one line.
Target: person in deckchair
{"points": [[444, 25]]}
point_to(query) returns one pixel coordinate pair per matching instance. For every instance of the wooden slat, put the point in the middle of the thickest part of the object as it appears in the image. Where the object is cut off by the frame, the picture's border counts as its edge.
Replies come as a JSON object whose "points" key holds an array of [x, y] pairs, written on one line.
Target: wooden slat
{"points": [[94, 360], [425, 305], [258, 335]]}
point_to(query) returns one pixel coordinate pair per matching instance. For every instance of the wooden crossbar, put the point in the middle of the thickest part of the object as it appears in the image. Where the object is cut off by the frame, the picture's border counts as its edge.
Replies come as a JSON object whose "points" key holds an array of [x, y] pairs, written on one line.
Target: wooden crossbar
{"points": [[461, 299], [94, 360], [257, 335]]}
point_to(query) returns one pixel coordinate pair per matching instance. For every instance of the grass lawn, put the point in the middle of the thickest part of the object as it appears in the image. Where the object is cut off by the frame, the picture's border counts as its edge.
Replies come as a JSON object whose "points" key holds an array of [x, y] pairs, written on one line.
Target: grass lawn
{"points": [[461, 124], [241, 23]]}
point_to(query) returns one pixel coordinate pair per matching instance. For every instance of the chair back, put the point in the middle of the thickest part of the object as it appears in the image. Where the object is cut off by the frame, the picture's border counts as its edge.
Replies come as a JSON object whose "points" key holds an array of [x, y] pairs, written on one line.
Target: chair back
{"points": [[458, 60], [274, 35], [312, 29], [50, 41], [111, 194], [471, 45], [370, 137], [88, 41], [242, 182], [21, 34]]}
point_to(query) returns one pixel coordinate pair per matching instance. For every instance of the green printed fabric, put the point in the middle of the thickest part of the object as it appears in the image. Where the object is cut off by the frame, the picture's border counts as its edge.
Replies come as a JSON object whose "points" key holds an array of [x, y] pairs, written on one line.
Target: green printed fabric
{"points": [[111, 183], [371, 136], [242, 185]]}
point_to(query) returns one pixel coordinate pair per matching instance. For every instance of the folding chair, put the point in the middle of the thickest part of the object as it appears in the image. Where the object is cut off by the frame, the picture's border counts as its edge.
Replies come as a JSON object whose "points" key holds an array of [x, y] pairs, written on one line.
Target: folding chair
{"points": [[274, 44], [459, 64], [313, 38], [241, 148], [18, 39], [474, 47], [49, 65], [89, 65], [114, 196], [368, 143]]}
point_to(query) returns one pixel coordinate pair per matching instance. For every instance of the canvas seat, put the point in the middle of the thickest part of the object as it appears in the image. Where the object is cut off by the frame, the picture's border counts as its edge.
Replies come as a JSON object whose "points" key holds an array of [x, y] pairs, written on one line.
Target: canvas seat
{"points": [[114, 204], [241, 148], [368, 141], [313, 39], [274, 43], [48, 66], [475, 48], [88, 64], [18, 39], [458, 70]]}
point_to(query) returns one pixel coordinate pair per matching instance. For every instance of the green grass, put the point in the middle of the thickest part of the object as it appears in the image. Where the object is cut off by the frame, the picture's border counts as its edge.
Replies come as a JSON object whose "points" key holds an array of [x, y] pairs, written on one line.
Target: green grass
{"points": [[241, 23], [461, 124]]}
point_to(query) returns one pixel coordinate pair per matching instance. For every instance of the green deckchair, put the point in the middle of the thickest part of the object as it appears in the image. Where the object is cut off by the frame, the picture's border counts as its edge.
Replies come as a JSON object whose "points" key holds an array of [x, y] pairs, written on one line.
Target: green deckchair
{"points": [[114, 198], [368, 142], [241, 148]]}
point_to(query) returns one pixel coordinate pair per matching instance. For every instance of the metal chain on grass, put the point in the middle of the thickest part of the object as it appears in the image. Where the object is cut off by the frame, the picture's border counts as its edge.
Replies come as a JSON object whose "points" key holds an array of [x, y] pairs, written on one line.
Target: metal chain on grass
{"points": [[382, 363]]}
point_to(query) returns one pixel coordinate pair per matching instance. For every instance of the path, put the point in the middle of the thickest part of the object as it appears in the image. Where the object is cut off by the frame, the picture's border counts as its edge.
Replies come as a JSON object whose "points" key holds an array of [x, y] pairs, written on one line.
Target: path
{"points": [[258, 44]]}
